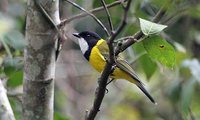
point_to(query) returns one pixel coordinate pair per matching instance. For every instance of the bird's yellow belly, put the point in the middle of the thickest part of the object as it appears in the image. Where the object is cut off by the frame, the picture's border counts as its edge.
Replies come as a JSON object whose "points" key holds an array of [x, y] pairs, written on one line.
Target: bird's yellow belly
{"points": [[98, 62]]}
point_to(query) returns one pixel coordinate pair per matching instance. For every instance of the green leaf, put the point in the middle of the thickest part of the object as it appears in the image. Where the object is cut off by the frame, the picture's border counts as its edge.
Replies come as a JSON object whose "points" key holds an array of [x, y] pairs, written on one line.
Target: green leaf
{"points": [[148, 65], [58, 116], [13, 70], [149, 28], [15, 79], [186, 94], [8, 70], [160, 49]]}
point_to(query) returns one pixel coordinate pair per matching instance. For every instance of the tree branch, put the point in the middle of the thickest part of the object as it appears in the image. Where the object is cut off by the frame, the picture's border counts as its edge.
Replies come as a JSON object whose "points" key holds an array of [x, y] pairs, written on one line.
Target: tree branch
{"points": [[6, 112], [93, 16], [91, 11], [108, 15], [100, 92]]}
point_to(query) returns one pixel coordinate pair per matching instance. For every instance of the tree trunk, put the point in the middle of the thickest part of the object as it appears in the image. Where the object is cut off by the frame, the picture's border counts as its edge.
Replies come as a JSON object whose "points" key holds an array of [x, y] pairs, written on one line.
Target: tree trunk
{"points": [[39, 55]]}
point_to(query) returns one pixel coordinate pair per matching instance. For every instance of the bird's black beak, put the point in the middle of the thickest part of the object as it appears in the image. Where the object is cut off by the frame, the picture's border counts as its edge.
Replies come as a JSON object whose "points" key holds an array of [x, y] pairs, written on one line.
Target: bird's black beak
{"points": [[76, 35]]}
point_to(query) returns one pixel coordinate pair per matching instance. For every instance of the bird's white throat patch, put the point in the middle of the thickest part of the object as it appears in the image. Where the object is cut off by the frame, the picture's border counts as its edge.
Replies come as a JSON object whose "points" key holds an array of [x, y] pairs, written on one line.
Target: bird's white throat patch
{"points": [[83, 45]]}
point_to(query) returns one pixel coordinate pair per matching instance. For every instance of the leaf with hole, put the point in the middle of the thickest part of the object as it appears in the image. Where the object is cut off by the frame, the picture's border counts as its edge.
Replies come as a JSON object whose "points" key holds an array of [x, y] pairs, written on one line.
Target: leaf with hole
{"points": [[161, 50]]}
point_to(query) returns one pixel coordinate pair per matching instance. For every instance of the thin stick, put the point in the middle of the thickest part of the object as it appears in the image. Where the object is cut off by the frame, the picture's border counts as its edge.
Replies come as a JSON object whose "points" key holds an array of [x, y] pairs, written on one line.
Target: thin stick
{"points": [[123, 23], [108, 15], [46, 15], [123, 39], [91, 11], [93, 16], [119, 29], [110, 81]]}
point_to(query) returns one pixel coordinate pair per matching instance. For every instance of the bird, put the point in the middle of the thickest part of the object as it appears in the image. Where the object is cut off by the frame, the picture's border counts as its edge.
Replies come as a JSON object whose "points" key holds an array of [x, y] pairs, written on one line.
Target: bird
{"points": [[95, 49]]}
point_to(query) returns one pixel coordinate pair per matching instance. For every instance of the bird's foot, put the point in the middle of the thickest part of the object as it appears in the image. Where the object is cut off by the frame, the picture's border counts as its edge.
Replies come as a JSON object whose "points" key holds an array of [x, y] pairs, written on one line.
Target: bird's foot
{"points": [[106, 91], [113, 68], [110, 81]]}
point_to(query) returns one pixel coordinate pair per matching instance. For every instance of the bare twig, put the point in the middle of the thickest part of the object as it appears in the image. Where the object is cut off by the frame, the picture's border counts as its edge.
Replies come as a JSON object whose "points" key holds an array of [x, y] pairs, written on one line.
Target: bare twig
{"points": [[123, 39], [129, 42], [110, 81], [93, 16], [100, 91], [123, 23], [91, 11], [108, 15], [44, 12]]}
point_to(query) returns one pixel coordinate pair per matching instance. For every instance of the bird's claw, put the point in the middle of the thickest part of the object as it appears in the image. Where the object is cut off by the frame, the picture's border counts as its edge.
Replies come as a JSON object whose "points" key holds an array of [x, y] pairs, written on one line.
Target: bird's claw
{"points": [[106, 59], [106, 91], [113, 67], [109, 81]]}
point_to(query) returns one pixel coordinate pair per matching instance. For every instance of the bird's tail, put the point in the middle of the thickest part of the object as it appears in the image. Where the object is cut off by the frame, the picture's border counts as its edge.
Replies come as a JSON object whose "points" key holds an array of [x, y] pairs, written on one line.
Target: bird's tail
{"points": [[145, 92]]}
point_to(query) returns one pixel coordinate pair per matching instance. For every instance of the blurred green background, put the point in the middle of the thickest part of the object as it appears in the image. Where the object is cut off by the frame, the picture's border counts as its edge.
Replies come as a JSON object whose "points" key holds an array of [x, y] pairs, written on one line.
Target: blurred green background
{"points": [[175, 89]]}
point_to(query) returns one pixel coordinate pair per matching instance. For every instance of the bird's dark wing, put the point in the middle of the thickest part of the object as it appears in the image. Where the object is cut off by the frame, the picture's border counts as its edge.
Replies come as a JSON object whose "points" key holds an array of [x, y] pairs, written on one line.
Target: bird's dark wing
{"points": [[124, 66]]}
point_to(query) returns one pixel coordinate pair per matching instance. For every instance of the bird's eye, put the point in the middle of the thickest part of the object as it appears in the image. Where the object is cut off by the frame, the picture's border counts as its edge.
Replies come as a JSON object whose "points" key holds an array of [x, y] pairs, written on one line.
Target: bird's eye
{"points": [[88, 35]]}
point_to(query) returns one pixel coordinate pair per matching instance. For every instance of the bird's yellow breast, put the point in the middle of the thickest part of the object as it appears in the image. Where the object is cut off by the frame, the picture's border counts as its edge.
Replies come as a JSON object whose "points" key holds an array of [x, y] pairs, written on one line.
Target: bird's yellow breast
{"points": [[98, 62], [96, 59]]}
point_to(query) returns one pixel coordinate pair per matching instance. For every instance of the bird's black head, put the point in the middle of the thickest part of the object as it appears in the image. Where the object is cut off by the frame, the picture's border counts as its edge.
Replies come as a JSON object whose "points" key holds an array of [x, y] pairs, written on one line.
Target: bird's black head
{"points": [[87, 40], [90, 37]]}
